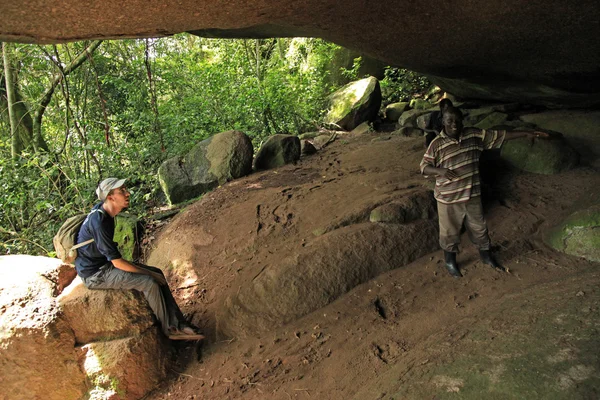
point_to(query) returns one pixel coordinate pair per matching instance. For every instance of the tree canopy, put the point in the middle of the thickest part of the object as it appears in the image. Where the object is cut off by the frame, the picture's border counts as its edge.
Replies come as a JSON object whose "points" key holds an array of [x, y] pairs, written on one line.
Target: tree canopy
{"points": [[73, 114]]}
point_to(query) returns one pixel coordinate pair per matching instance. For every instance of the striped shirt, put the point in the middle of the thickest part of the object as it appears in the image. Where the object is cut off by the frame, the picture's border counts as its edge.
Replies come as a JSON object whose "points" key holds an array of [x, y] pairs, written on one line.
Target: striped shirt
{"points": [[461, 156]]}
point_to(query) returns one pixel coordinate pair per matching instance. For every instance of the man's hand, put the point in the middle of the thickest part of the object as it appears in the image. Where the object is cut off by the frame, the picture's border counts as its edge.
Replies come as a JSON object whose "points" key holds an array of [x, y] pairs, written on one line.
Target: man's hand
{"points": [[157, 277], [447, 173]]}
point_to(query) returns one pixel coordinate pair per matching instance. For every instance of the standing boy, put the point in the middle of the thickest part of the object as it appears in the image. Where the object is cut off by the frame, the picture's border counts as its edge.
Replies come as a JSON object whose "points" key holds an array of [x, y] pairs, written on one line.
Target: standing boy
{"points": [[453, 157]]}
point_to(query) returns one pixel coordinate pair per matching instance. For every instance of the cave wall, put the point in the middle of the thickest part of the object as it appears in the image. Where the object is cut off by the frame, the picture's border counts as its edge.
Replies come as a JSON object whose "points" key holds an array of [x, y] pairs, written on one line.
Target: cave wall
{"points": [[539, 51]]}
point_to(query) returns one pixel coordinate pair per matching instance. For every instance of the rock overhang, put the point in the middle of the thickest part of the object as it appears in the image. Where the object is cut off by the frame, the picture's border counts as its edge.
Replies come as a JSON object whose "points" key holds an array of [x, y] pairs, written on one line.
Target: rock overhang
{"points": [[543, 51]]}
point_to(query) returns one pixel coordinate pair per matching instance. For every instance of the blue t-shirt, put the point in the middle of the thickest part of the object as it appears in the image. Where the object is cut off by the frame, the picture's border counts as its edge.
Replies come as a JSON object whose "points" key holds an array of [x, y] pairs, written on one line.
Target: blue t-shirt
{"points": [[100, 226]]}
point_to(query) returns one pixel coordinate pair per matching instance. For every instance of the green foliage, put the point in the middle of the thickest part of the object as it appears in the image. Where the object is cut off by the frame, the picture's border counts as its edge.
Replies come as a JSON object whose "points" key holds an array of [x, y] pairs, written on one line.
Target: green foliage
{"points": [[352, 74], [402, 85], [135, 103]]}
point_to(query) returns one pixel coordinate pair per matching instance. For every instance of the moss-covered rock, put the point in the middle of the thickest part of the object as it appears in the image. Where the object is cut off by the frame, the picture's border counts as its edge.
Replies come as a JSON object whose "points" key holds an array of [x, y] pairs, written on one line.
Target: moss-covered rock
{"points": [[354, 104], [578, 234], [394, 111], [277, 151], [420, 104], [212, 162], [409, 118], [492, 120], [581, 130], [541, 156], [126, 236], [362, 129]]}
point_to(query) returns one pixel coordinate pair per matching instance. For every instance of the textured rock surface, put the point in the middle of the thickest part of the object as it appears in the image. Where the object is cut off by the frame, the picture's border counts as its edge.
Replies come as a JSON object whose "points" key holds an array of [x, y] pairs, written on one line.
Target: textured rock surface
{"points": [[37, 347], [540, 156], [543, 52], [214, 161], [39, 333], [419, 205], [580, 129], [104, 314], [328, 268], [128, 367], [578, 234]]}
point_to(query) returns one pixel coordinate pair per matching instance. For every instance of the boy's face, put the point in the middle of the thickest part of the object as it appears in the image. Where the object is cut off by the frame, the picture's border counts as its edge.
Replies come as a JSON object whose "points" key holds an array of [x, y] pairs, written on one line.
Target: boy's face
{"points": [[452, 124]]}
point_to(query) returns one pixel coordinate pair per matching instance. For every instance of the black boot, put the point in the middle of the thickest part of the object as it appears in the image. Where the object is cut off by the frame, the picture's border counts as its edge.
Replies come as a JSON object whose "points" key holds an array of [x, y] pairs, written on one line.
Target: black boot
{"points": [[451, 264], [487, 258]]}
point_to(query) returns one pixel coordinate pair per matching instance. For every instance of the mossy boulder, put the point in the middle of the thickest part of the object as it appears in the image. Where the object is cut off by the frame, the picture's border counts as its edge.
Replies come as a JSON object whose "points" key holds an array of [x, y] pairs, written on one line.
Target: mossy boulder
{"points": [[578, 234], [409, 118], [212, 162], [492, 120], [540, 156], [362, 129], [354, 104], [277, 151], [126, 236], [420, 104], [394, 111], [581, 129]]}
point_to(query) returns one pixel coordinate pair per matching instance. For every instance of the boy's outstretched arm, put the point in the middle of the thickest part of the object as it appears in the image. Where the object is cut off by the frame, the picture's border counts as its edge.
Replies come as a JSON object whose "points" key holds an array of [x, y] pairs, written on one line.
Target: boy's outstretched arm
{"points": [[519, 134]]}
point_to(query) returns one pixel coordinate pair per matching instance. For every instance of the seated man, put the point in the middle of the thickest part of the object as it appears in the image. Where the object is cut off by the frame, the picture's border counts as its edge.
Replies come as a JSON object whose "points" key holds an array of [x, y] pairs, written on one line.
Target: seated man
{"points": [[100, 265]]}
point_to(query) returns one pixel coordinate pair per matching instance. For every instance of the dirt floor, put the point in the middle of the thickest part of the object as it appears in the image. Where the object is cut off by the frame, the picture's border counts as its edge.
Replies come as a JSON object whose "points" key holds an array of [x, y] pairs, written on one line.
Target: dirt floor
{"points": [[411, 333]]}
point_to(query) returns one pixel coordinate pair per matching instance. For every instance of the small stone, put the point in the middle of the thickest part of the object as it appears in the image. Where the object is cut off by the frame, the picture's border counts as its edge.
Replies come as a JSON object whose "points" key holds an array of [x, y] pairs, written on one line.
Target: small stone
{"points": [[580, 293]]}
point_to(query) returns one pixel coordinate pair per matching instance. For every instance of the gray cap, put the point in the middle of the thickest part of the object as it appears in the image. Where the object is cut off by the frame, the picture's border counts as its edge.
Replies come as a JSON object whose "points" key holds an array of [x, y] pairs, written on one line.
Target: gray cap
{"points": [[107, 185]]}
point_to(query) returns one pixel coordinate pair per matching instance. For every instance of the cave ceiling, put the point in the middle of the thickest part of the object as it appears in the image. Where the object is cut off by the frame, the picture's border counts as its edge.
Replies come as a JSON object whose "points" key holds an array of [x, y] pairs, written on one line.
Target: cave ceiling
{"points": [[534, 51]]}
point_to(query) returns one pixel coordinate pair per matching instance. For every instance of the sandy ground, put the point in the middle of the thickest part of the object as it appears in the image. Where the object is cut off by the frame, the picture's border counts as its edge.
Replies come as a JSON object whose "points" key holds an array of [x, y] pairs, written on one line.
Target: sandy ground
{"points": [[385, 333]]}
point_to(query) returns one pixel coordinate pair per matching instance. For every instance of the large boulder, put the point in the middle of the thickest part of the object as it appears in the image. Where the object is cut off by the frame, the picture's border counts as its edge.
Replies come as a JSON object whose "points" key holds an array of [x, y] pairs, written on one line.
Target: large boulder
{"points": [[277, 151], [122, 353], [326, 269], [354, 104], [581, 130], [95, 315], [394, 111], [38, 359], [212, 162], [128, 368], [578, 234], [410, 117], [541, 156]]}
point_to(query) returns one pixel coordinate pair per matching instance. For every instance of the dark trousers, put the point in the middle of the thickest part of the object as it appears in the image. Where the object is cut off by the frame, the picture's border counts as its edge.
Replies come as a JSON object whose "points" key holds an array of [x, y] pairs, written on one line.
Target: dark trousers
{"points": [[159, 297], [452, 217]]}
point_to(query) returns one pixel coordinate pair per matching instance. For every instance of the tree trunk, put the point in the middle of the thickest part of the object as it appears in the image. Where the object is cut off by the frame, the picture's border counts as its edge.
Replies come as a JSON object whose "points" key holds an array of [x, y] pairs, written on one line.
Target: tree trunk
{"points": [[11, 100], [38, 140]]}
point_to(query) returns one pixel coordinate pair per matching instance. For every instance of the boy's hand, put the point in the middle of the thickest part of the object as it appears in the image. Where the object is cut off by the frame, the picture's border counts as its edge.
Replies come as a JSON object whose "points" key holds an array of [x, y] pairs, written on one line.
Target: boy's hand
{"points": [[447, 173], [540, 134]]}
